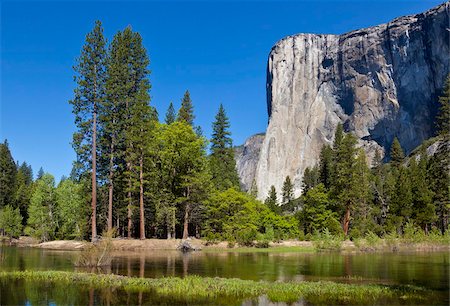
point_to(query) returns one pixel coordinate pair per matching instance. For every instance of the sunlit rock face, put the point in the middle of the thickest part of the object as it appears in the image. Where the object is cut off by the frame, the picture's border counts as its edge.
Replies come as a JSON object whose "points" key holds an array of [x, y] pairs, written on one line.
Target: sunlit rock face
{"points": [[247, 157], [380, 82]]}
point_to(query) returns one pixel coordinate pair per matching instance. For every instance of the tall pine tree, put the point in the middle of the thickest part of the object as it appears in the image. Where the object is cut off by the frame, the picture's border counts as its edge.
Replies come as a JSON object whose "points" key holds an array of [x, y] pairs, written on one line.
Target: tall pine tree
{"points": [[186, 111], [8, 173], [222, 162], [89, 94], [170, 114]]}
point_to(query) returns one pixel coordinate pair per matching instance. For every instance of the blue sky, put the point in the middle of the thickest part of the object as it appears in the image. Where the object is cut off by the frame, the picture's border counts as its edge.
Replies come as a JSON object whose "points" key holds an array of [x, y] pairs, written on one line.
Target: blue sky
{"points": [[217, 50]]}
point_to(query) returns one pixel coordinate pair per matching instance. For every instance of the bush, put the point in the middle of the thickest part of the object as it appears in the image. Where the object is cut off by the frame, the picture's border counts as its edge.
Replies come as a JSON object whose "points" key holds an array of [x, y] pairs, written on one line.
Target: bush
{"points": [[325, 241], [97, 254], [262, 244], [245, 237]]}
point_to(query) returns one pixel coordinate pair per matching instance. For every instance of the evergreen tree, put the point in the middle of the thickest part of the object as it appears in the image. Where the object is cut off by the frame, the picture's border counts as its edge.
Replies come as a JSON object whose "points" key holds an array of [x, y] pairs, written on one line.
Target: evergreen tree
{"points": [[272, 200], [316, 212], [24, 188], [443, 117], [400, 207], [439, 178], [186, 111], [338, 136], [140, 121], [326, 166], [40, 173], [8, 172], [346, 179], [397, 154], [287, 191], [423, 210], [310, 178], [89, 94], [222, 162], [170, 114]]}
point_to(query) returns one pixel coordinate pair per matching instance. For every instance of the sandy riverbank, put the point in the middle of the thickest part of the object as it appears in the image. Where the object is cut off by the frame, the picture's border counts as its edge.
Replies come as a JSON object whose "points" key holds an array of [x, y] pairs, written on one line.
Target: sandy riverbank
{"points": [[120, 244]]}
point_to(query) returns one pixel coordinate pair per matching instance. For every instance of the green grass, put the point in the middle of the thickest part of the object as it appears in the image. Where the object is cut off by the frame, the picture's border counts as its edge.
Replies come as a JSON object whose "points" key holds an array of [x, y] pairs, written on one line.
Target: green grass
{"points": [[277, 249], [205, 288]]}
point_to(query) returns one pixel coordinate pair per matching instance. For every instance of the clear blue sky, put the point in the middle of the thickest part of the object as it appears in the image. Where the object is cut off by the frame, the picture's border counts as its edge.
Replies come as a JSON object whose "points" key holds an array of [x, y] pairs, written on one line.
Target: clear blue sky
{"points": [[217, 50]]}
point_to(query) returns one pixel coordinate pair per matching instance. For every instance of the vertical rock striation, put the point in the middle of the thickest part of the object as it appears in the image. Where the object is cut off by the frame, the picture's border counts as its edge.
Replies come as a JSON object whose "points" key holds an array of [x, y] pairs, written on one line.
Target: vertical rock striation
{"points": [[380, 82], [247, 157]]}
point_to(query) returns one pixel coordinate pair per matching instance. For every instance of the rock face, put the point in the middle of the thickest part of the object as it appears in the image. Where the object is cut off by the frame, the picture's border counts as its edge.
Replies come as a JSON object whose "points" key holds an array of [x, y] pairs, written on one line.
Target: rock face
{"points": [[380, 82], [247, 157]]}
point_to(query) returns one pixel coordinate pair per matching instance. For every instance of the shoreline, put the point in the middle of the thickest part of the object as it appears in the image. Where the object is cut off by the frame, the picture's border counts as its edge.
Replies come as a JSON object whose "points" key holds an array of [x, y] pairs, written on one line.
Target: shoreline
{"points": [[292, 246]]}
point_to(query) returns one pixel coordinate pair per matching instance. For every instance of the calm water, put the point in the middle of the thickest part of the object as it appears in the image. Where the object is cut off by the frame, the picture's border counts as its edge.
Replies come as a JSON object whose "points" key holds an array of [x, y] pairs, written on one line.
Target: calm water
{"points": [[429, 270]]}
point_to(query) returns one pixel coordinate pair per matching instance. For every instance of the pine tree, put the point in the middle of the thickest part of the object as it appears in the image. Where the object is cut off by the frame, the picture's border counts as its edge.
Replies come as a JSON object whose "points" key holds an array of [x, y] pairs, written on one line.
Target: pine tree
{"points": [[222, 162], [170, 114], [326, 166], [11, 221], [443, 117], [397, 154], [140, 119], [186, 111], [24, 188], [272, 200], [8, 172], [310, 178], [338, 136], [89, 94], [40, 173], [345, 182], [423, 210], [287, 191]]}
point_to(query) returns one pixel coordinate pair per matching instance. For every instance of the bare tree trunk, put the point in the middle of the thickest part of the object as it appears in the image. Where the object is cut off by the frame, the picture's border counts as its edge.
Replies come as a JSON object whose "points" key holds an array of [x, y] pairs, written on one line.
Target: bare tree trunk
{"points": [[129, 211], [111, 187], [346, 220], [141, 198], [186, 222], [94, 175]]}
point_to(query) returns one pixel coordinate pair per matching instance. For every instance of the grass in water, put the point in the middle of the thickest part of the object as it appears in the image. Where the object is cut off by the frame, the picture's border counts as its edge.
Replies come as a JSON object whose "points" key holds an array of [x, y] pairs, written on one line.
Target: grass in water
{"points": [[206, 288]]}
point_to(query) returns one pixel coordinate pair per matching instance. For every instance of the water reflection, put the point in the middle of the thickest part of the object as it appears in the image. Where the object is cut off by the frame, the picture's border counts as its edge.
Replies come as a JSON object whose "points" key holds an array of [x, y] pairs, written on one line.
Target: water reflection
{"points": [[429, 270]]}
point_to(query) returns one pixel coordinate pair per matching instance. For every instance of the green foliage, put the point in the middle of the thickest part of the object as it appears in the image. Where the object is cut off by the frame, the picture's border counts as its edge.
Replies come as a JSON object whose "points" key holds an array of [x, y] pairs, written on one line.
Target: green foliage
{"points": [[325, 241], [170, 114], [8, 172], [42, 217], [287, 192], [186, 111], [204, 289], [317, 214], [397, 154], [239, 216], [221, 161], [443, 117], [71, 210], [11, 221], [90, 73], [310, 178], [272, 200]]}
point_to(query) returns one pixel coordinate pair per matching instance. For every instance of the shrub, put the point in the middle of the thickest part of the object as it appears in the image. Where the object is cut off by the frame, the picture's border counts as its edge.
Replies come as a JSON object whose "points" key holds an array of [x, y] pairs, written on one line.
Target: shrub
{"points": [[245, 237], [97, 254], [325, 241]]}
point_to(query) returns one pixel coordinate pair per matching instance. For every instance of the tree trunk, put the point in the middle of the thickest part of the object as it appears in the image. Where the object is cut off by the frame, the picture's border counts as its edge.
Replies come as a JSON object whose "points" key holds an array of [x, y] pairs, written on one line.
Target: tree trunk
{"points": [[141, 198], [186, 222], [111, 187], [346, 220], [169, 230], [94, 176], [130, 213]]}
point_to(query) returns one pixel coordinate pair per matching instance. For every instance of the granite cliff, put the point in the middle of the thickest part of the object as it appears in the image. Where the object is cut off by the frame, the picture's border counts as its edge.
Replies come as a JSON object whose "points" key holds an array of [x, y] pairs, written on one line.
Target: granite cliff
{"points": [[380, 82]]}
